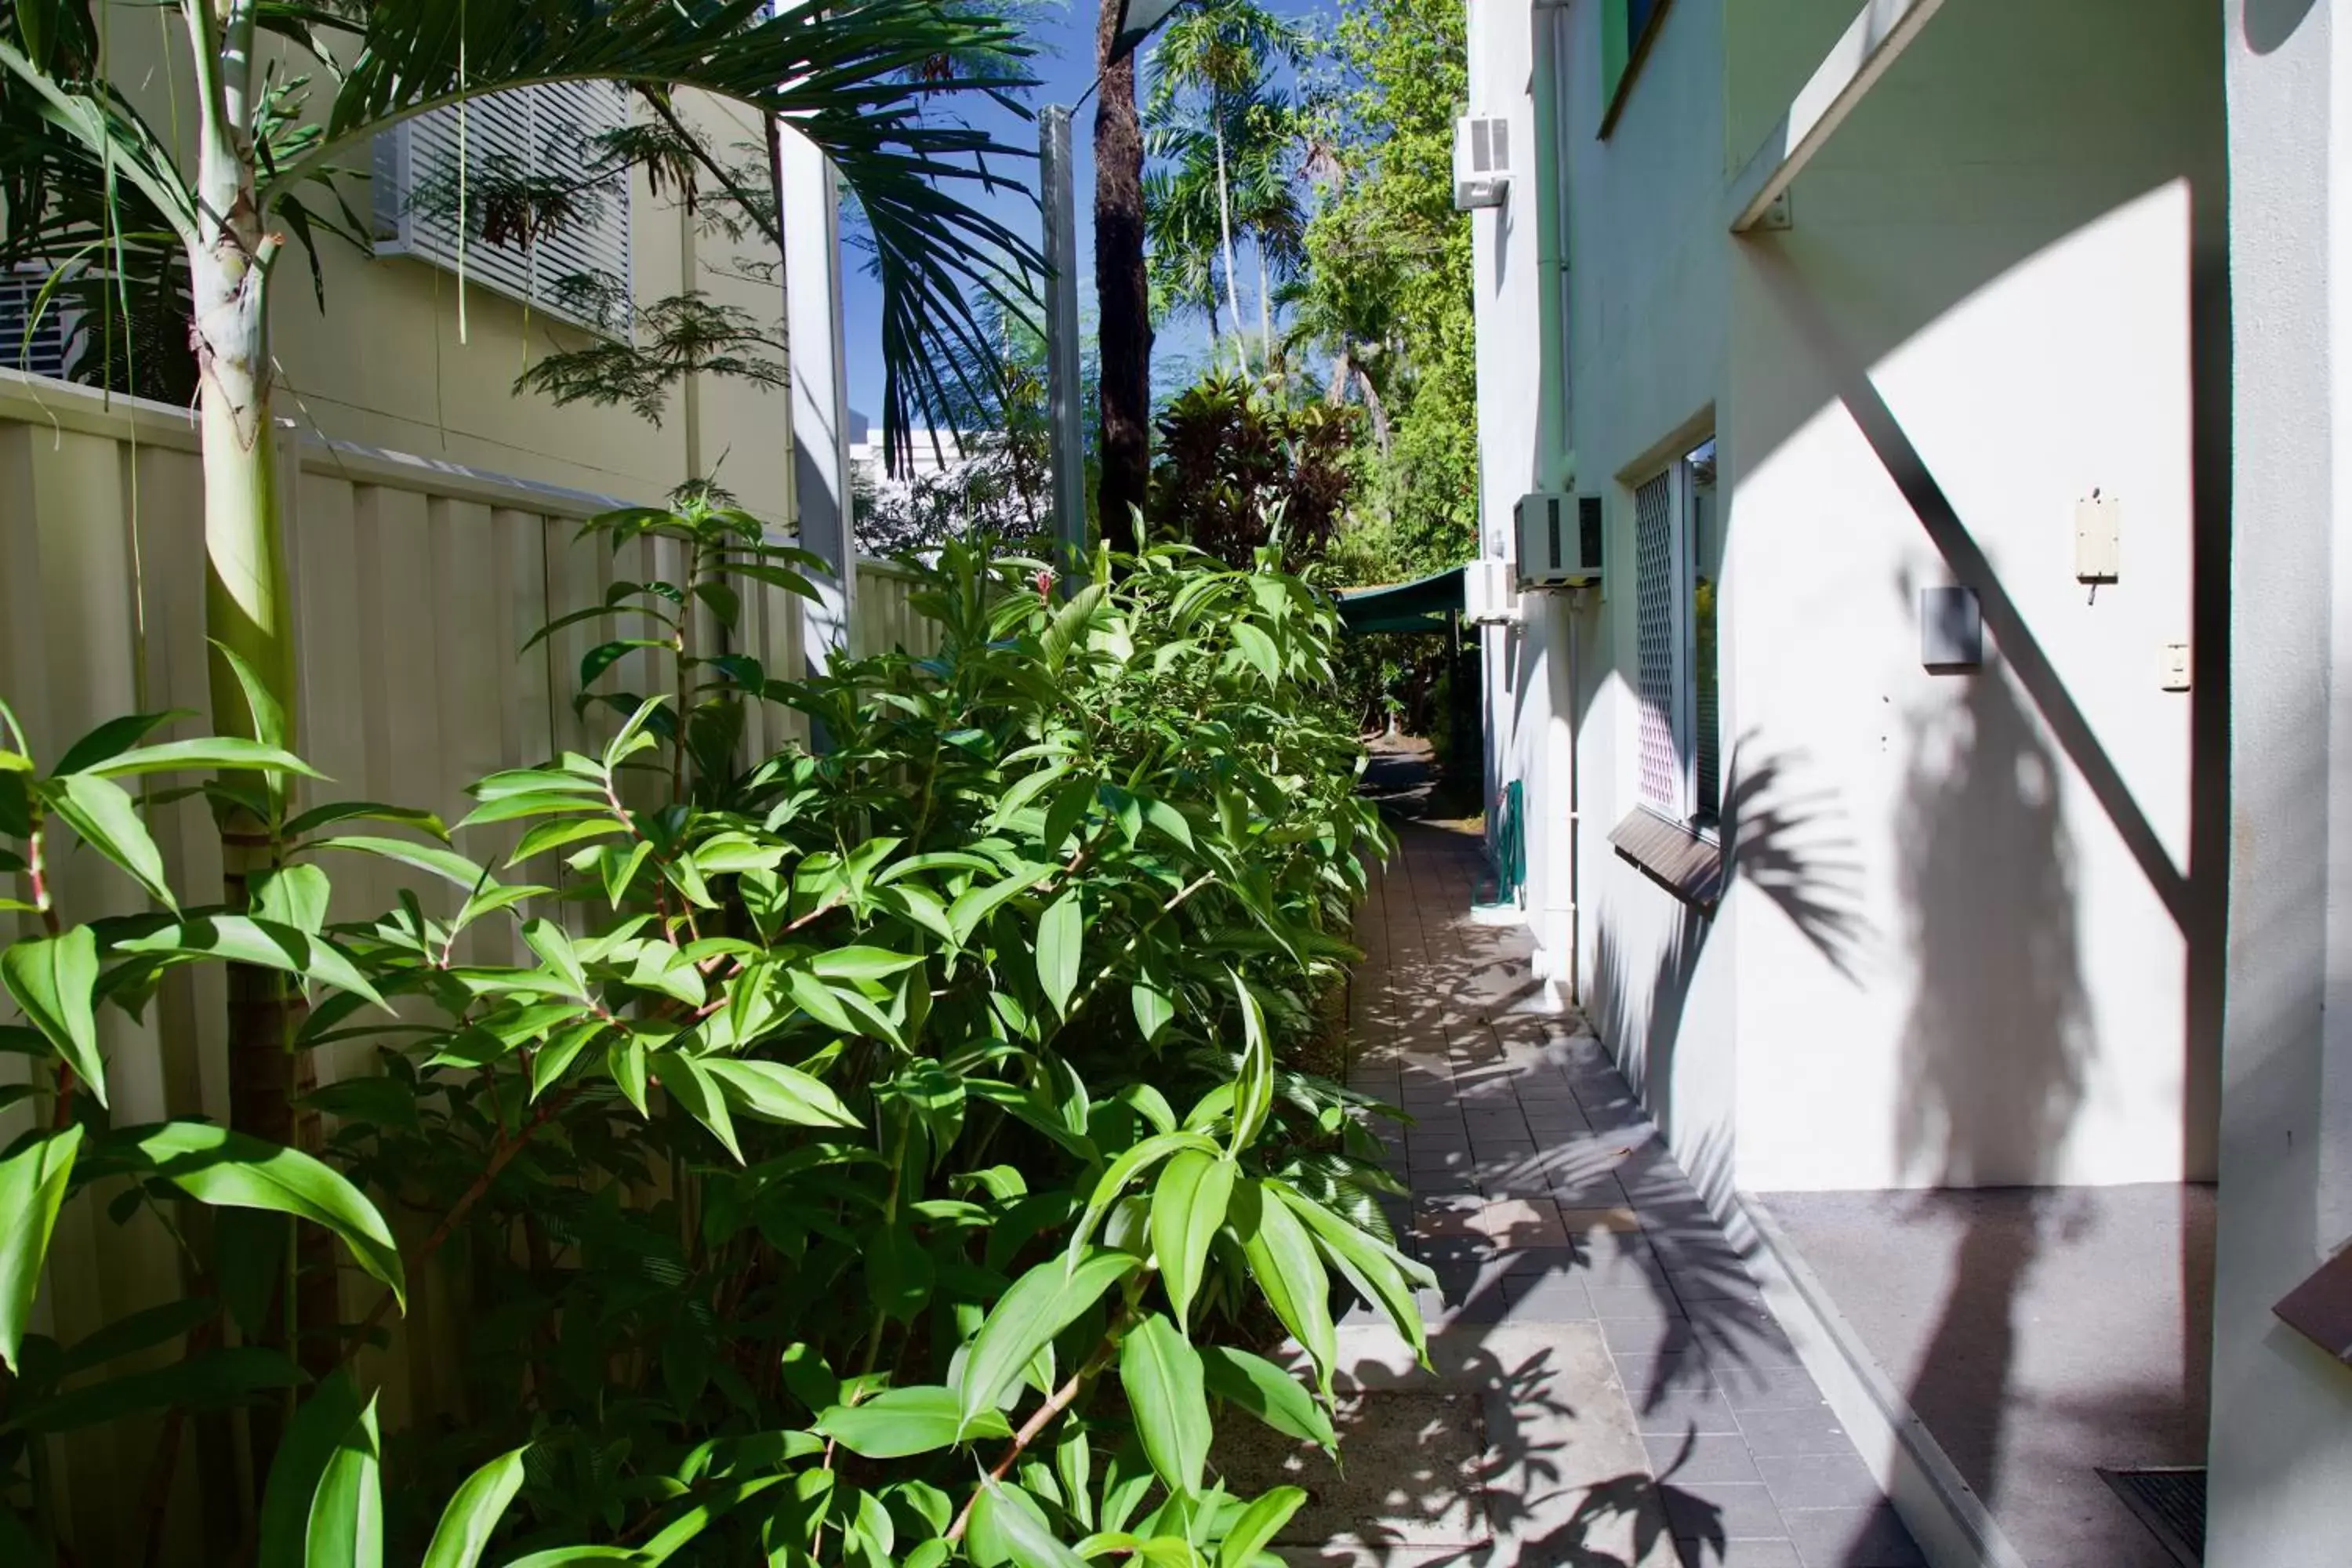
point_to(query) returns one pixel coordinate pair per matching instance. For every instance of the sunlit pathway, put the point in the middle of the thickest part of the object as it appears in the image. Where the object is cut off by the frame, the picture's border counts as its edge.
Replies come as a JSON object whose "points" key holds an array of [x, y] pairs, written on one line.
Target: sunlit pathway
{"points": [[1609, 1386]]}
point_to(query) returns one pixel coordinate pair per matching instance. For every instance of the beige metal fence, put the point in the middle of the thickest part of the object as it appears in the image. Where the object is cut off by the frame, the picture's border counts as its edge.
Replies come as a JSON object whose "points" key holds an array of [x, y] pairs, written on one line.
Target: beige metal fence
{"points": [[415, 585]]}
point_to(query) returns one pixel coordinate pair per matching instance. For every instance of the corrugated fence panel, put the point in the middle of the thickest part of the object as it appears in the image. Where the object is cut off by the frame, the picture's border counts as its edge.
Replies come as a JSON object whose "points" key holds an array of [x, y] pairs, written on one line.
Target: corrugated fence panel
{"points": [[414, 585]]}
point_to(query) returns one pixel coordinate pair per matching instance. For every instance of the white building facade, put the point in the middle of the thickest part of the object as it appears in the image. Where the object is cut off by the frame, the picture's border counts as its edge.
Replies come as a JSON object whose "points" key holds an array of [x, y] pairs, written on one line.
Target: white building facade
{"points": [[1876, 792]]}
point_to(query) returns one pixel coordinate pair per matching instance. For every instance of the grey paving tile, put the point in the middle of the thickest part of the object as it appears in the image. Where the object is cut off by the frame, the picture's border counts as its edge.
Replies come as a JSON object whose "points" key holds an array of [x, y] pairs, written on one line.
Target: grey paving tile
{"points": [[1729, 1509], [1635, 1303], [1737, 1553], [1814, 1429], [1683, 1458], [1675, 1411], [1551, 1299], [1643, 1375], [1761, 1388], [1854, 1538], [1819, 1481]]}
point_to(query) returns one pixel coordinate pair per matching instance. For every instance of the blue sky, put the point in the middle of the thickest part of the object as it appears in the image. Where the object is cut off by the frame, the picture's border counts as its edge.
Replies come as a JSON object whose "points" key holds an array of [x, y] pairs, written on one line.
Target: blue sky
{"points": [[1065, 67]]}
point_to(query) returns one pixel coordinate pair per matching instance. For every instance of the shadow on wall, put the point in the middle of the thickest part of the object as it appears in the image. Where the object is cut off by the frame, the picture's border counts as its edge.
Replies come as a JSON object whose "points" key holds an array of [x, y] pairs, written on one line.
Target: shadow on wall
{"points": [[1995, 1046], [1788, 841]]}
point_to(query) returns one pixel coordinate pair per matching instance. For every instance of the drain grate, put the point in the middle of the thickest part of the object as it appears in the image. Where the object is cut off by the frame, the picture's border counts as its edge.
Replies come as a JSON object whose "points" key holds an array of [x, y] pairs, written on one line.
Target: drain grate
{"points": [[2171, 1502]]}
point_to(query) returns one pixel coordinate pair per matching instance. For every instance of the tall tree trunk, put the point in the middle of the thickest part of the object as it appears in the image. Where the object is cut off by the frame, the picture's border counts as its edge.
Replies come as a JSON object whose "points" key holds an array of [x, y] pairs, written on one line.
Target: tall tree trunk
{"points": [[1122, 293], [1225, 228], [1264, 314], [247, 612]]}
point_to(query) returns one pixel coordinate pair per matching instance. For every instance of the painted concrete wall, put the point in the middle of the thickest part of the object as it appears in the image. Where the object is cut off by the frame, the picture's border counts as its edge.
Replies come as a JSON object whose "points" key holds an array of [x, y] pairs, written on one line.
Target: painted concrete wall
{"points": [[1957, 947], [1965, 900], [2282, 1424], [384, 364], [1647, 340]]}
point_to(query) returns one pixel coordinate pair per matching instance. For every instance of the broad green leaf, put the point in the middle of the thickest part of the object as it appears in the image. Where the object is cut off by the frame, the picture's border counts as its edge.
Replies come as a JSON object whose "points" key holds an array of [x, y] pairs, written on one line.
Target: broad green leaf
{"points": [[1254, 1091], [243, 939], [336, 811], [296, 896], [690, 1084], [221, 754], [1266, 1392], [215, 1165], [347, 1513], [976, 903], [554, 945], [1125, 1169], [1258, 649], [445, 863], [899, 1421], [1290, 1273], [1040, 1305], [1378, 1272], [52, 980], [115, 737], [1249, 1535], [779, 1093], [107, 819], [1188, 1205], [1061, 939], [861, 963], [32, 1186], [1070, 623], [1153, 1009], [213, 1380], [473, 1515], [1025, 1537], [309, 1440], [1161, 1373]]}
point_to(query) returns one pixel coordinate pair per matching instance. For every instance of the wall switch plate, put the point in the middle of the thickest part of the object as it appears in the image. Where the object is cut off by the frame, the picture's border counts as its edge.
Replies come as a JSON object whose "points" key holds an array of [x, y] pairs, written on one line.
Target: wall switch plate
{"points": [[2098, 530], [2176, 667], [1951, 629]]}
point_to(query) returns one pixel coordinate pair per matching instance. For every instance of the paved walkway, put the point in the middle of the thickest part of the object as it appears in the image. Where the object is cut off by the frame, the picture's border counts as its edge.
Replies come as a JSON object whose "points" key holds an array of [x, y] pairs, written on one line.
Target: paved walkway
{"points": [[1609, 1390]]}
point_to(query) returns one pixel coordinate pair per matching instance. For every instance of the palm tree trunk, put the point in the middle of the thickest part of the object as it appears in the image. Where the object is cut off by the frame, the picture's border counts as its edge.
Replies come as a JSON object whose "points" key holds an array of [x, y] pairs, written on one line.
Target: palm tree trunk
{"points": [[247, 613], [1225, 224], [1122, 292]]}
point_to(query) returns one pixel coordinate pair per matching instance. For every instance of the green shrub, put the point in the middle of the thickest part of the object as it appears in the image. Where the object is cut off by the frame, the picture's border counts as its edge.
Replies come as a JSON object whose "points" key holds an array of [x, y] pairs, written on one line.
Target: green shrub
{"points": [[825, 1133], [1239, 470]]}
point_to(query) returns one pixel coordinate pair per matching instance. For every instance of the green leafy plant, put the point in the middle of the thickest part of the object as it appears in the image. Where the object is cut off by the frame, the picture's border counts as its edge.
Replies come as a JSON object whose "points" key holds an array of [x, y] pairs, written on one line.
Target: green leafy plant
{"points": [[887, 1153], [1237, 465]]}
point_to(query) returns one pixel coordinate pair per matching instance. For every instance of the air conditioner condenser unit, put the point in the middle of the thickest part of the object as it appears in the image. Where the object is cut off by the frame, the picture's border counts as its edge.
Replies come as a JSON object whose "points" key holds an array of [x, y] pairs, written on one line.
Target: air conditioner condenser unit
{"points": [[1487, 592], [1558, 538], [1482, 160]]}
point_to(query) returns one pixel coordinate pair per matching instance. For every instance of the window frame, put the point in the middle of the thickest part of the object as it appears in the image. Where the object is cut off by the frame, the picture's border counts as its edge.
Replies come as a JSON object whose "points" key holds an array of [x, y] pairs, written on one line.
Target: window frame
{"points": [[1624, 45], [1685, 554]]}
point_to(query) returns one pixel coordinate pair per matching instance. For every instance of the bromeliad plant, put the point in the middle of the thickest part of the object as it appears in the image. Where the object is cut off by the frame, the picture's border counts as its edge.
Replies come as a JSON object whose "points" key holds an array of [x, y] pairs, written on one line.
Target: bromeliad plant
{"points": [[882, 1155]]}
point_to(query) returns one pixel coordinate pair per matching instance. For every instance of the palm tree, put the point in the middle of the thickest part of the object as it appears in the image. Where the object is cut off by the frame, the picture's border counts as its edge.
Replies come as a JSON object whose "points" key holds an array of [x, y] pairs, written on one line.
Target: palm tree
{"points": [[86, 182], [1214, 67]]}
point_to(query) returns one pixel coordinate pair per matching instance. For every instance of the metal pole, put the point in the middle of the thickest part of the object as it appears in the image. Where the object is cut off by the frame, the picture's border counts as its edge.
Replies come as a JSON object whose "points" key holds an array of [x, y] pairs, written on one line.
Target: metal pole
{"points": [[1066, 438], [813, 311]]}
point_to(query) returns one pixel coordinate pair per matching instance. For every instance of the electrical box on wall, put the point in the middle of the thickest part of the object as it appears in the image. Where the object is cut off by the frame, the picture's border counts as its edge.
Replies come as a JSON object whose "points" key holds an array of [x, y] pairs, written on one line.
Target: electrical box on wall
{"points": [[2099, 539], [1558, 538], [1482, 160]]}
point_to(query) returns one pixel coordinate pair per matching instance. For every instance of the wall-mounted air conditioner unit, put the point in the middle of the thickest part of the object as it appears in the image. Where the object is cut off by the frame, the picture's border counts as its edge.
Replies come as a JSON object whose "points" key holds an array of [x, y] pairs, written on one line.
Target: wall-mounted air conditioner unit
{"points": [[1482, 160], [1559, 539], [1487, 592]]}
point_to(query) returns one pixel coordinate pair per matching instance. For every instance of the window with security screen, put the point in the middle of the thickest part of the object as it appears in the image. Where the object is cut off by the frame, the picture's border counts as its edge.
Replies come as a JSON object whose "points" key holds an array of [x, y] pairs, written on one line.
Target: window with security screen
{"points": [[498, 190], [1677, 559]]}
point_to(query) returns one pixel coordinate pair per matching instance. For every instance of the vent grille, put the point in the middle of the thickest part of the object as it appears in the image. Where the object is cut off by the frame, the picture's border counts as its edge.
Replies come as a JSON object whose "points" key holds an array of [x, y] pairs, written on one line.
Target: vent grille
{"points": [[39, 349], [537, 133], [1654, 556], [1490, 146]]}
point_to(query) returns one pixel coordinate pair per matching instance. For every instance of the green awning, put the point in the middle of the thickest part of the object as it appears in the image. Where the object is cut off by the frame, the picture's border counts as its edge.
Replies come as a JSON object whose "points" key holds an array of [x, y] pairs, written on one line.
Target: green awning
{"points": [[1420, 605]]}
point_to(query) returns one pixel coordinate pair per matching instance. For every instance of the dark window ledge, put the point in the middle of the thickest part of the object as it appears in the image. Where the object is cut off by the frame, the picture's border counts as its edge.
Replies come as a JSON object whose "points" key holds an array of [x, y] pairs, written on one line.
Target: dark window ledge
{"points": [[1673, 856]]}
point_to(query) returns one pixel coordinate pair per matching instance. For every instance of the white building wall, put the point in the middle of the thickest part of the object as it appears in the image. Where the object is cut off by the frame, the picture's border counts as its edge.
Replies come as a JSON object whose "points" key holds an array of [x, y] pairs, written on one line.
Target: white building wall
{"points": [[2282, 1422], [1965, 915], [1647, 326], [1527, 731], [1956, 946]]}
